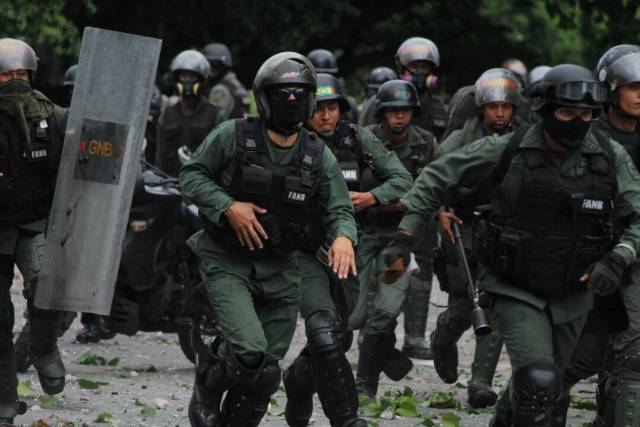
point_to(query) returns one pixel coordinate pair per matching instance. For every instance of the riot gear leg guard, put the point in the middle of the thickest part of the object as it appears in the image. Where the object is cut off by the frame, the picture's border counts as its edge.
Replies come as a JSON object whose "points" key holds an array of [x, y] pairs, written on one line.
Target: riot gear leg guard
{"points": [[485, 360], [626, 409], [211, 382], [247, 401], [331, 370], [44, 349], [537, 387], [416, 312], [299, 386], [560, 409]]}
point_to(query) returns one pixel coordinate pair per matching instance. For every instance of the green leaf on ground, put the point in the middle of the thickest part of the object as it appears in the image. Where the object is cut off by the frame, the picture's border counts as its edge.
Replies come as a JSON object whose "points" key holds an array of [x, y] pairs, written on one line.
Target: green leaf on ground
{"points": [[89, 358], [114, 361], [25, 388], [47, 400], [104, 417], [90, 384], [580, 402], [449, 419], [148, 411]]}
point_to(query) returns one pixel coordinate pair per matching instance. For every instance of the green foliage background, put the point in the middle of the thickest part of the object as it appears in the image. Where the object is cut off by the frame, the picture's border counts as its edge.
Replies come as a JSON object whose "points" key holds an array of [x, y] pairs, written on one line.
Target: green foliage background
{"points": [[472, 35]]}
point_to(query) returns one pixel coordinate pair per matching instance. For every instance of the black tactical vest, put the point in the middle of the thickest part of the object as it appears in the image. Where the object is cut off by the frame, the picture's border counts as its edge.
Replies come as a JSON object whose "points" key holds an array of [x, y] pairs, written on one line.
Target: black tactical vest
{"points": [[432, 116], [28, 170], [354, 163], [241, 101], [179, 130], [558, 226], [285, 191]]}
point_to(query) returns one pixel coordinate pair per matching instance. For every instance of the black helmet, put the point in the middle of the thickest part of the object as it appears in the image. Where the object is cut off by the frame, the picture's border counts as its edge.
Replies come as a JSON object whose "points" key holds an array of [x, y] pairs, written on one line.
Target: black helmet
{"points": [[396, 93], [324, 61], [191, 60], [517, 67], [284, 69], [330, 89], [568, 84], [619, 66], [70, 76], [17, 55], [378, 76], [417, 49], [497, 84], [218, 54], [537, 74]]}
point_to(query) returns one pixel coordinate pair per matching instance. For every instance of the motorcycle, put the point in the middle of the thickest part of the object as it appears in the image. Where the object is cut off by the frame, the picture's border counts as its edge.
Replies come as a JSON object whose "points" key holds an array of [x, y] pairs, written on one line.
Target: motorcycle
{"points": [[158, 287]]}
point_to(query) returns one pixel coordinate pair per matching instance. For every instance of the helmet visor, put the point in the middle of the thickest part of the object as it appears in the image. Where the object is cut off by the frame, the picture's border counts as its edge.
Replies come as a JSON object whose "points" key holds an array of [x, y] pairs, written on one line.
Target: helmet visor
{"points": [[625, 70], [16, 55], [578, 91]]}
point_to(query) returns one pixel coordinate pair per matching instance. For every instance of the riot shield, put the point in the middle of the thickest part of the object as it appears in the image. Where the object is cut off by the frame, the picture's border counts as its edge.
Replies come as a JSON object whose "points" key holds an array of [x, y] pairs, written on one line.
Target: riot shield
{"points": [[100, 158]]}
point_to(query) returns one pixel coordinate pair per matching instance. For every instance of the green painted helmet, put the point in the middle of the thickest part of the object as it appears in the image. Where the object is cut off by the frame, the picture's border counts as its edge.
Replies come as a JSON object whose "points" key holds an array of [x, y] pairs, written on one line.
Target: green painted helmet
{"points": [[396, 93], [330, 89]]}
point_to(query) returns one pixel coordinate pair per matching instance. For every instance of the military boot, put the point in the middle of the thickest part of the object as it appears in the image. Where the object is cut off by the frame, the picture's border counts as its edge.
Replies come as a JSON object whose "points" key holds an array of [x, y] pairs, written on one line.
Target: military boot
{"points": [[487, 353], [377, 354], [445, 354], [416, 312], [44, 349], [22, 344], [627, 406], [94, 329], [299, 387], [10, 406], [211, 383]]}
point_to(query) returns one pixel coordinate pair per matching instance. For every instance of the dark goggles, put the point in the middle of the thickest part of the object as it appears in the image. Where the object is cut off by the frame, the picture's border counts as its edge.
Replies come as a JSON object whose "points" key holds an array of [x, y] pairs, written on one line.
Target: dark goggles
{"points": [[281, 94], [577, 91]]}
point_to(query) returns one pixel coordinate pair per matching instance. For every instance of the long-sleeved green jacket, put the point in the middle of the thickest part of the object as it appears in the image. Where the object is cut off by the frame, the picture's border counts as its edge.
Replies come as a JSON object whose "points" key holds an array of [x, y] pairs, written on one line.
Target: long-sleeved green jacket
{"points": [[453, 175]]}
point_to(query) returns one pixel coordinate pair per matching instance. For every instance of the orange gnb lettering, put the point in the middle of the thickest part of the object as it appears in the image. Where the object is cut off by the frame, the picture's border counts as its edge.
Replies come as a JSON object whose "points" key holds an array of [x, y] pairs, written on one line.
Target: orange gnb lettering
{"points": [[100, 148]]}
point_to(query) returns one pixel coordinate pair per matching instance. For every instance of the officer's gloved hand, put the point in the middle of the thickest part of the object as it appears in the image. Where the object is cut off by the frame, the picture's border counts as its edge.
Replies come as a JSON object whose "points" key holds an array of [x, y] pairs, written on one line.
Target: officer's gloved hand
{"points": [[399, 247], [605, 275]]}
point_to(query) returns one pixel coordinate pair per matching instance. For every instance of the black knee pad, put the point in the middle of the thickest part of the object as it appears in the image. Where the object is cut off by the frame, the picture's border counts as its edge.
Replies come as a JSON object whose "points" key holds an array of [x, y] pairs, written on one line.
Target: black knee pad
{"points": [[536, 389], [323, 331]]}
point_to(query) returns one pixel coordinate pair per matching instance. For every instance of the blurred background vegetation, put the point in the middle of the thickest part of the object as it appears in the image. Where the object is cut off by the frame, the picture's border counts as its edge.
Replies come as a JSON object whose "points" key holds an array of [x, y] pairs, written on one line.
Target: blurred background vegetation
{"points": [[472, 35]]}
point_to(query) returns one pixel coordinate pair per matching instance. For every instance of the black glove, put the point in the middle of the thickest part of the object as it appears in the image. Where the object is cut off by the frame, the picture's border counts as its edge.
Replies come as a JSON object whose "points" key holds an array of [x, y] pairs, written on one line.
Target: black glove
{"points": [[399, 247], [605, 275]]}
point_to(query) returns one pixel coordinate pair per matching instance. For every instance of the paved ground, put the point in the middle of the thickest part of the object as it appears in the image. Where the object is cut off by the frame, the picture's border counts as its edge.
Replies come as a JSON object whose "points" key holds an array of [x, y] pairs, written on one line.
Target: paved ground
{"points": [[151, 385]]}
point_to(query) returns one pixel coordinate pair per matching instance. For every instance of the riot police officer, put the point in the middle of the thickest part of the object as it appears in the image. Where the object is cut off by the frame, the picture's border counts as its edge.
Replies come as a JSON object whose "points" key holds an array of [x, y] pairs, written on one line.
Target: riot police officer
{"points": [[376, 78], [615, 319], [258, 182], [497, 96], [417, 59], [548, 239], [226, 93], [31, 137], [69, 82], [326, 301], [326, 63], [537, 73], [415, 147], [188, 121], [378, 307]]}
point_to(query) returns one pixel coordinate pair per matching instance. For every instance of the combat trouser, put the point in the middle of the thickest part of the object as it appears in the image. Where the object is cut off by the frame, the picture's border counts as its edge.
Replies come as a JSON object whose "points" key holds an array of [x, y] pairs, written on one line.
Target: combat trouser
{"points": [[376, 313], [322, 365], [619, 384], [531, 338]]}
